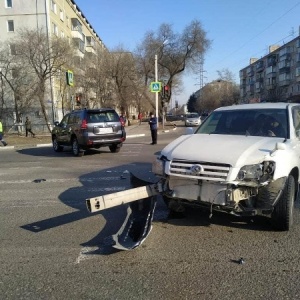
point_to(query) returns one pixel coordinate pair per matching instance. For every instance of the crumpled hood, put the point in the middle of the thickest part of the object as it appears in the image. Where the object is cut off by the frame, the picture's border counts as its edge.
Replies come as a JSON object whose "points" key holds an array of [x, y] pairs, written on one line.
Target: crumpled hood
{"points": [[228, 149]]}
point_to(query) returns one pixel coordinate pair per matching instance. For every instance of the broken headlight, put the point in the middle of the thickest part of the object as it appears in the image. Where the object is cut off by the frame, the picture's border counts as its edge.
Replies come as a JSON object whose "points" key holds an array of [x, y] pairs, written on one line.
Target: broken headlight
{"points": [[258, 172], [158, 165]]}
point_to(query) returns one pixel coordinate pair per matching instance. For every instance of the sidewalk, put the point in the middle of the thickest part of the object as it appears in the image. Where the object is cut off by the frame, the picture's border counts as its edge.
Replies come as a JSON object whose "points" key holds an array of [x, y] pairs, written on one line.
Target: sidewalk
{"points": [[132, 131]]}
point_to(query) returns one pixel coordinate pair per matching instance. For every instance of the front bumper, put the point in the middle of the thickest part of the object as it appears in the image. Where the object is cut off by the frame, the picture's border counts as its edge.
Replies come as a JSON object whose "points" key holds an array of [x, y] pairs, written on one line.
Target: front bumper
{"points": [[227, 197]]}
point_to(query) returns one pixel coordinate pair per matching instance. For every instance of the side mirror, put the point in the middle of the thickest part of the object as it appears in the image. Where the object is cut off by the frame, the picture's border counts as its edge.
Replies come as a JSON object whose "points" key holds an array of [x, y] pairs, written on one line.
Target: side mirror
{"points": [[189, 130]]}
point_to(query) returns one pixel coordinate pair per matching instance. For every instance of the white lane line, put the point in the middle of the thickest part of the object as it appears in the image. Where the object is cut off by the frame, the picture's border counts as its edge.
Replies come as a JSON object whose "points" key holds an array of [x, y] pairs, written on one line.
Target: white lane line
{"points": [[90, 179], [84, 254]]}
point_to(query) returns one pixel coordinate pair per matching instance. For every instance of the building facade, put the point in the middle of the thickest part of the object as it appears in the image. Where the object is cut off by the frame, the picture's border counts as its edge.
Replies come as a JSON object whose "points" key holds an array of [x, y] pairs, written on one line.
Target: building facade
{"points": [[274, 77], [61, 18]]}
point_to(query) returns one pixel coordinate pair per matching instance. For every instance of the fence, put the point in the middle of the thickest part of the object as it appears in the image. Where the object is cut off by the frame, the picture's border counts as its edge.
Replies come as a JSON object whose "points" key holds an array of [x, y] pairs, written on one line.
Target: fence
{"points": [[19, 129]]}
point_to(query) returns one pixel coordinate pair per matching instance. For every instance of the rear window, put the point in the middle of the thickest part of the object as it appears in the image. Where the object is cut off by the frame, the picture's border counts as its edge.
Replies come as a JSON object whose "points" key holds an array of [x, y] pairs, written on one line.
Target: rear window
{"points": [[105, 116], [192, 115]]}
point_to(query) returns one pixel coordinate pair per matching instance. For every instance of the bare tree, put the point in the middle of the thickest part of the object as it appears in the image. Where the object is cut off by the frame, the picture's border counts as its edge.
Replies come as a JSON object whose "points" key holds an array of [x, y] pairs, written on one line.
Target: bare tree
{"points": [[176, 53], [16, 85], [44, 58]]}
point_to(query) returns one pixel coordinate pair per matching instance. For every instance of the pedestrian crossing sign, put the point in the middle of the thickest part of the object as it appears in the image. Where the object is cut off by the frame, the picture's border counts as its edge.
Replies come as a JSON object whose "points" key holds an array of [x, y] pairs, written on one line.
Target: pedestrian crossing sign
{"points": [[155, 87], [70, 78]]}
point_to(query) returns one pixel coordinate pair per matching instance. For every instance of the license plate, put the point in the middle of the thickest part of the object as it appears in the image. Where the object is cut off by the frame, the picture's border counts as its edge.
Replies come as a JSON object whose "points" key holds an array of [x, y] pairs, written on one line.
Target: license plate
{"points": [[105, 130]]}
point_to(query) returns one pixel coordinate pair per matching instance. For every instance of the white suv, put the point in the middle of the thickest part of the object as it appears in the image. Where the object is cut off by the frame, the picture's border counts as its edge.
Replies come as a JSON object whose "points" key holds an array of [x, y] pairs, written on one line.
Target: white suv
{"points": [[243, 159]]}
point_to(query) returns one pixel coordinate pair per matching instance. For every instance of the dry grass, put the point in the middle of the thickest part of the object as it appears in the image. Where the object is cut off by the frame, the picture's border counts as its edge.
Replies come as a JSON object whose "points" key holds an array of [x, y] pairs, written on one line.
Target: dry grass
{"points": [[15, 140]]}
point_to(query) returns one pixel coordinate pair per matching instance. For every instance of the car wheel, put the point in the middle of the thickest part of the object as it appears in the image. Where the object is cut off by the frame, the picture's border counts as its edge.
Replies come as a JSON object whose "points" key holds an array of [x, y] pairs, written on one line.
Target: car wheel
{"points": [[282, 215], [56, 146], [75, 148], [114, 149]]}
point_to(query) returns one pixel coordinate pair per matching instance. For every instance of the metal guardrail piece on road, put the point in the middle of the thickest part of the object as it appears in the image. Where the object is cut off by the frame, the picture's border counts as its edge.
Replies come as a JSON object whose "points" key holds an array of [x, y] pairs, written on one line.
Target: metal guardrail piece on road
{"points": [[138, 221]]}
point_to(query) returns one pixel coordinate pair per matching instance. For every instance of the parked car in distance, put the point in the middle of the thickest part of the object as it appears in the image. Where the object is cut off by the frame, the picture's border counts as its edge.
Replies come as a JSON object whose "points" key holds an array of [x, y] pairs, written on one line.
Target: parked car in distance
{"points": [[89, 128], [192, 119]]}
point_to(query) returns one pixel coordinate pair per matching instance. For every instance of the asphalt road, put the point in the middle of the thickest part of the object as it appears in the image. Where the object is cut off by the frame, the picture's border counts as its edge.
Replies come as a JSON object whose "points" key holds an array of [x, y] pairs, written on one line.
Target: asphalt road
{"points": [[52, 248]]}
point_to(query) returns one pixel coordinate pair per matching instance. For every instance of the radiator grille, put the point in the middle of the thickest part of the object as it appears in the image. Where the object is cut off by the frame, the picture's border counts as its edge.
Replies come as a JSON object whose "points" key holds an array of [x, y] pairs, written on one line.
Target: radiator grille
{"points": [[210, 171]]}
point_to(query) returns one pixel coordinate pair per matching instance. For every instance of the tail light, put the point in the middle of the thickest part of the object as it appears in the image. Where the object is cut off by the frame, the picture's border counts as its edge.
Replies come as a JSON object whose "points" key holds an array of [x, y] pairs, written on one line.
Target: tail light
{"points": [[83, 124]]}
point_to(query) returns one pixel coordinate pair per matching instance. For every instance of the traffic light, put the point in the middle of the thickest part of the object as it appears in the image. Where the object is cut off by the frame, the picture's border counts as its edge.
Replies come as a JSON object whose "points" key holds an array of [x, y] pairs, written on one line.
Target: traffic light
{"points": [[165, 91]]}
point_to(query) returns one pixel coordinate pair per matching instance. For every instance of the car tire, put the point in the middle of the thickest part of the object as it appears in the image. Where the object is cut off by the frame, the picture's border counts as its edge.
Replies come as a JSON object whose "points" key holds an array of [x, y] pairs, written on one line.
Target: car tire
{"points": [[75, 148], [114, 148], [56, 146], [282, 215]]}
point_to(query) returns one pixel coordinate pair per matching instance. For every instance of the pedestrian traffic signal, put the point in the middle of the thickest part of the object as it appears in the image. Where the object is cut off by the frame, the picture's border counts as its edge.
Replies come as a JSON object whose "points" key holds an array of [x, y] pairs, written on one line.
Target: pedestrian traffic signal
{"points": [[165, 91], [70, 78]]}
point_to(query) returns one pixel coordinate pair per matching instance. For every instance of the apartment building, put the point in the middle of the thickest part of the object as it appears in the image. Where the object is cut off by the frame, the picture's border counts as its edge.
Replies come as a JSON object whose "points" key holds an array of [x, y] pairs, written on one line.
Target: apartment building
{"points": [[274, 77], [58, 17]]}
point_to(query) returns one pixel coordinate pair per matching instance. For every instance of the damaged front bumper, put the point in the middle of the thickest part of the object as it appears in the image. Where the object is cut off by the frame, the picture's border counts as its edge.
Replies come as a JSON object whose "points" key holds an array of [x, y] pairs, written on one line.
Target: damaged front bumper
{"points": [[230, 197]]}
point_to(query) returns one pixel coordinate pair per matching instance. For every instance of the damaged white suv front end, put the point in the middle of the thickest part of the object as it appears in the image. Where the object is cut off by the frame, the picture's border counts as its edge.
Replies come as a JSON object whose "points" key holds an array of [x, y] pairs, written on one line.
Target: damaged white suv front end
{"points": [[242, 160]]}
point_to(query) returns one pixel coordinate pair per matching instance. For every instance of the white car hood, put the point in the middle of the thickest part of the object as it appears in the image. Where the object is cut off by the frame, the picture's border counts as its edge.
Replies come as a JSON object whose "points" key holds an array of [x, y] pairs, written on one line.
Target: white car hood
{"points": [[228, 149]]}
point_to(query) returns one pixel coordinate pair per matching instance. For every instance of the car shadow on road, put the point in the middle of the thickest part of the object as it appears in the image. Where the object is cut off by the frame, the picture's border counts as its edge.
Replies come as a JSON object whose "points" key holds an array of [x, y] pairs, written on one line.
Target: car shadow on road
{"points": [[95, 184], [198, 216], [47, 151]]}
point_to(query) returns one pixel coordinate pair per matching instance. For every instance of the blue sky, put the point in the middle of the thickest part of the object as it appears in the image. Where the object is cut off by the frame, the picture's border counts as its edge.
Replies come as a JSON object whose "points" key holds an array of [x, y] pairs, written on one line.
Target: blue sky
{"points": [[238, 29]]}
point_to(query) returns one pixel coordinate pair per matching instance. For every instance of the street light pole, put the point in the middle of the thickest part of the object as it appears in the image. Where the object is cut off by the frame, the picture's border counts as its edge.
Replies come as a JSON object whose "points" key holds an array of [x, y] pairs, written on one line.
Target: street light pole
{"points": [[156, 93], [156, 80]]}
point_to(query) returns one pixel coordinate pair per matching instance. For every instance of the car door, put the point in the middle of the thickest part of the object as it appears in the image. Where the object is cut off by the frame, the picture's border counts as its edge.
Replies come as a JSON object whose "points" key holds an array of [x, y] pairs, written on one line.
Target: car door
{"points": [[63, 130]]}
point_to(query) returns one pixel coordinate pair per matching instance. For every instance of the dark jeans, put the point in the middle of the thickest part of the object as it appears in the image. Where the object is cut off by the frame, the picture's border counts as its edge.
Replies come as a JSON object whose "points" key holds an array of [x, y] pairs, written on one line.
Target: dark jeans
{"points": [[154, 136], [29, 130]]}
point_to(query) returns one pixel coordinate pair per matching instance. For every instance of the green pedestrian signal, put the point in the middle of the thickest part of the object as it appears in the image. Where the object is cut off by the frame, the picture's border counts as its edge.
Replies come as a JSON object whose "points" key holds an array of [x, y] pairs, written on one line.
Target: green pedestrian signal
{"points": [[70, 78]]}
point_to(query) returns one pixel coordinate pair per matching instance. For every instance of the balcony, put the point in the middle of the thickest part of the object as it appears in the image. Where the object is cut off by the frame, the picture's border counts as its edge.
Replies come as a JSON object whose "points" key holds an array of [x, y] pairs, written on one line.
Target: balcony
{"points": [[77, 35], [284, 82], [259, 66], [272, 60], [270, 86], [90, 50], [284, 70]]}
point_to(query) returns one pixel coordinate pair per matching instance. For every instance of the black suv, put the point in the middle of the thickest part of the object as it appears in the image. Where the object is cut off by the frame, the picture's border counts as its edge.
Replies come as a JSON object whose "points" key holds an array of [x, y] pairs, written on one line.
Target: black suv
{"points": [[89, 128]]}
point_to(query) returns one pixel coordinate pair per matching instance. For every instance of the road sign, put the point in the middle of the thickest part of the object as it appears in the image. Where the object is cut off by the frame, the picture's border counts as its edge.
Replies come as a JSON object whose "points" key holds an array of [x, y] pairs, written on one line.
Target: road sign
{"points": [[155, 87], [70, 78]]}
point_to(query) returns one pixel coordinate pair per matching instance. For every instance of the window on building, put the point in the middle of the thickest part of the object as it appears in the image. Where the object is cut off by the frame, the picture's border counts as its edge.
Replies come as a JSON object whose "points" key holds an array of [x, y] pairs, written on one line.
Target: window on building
{"points": [[12, 49], [54, 29], [53, 6], [15, 73], [62, 34], [61, 14], [8, 3], [10, 26]]}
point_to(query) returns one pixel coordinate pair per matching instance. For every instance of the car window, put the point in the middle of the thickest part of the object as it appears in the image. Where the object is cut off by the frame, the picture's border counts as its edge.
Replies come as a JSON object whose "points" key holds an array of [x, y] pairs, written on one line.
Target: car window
{"points": [[64, 121], [296, 119], [247, 122], [98, 117], [74, 118], [193, 115]]}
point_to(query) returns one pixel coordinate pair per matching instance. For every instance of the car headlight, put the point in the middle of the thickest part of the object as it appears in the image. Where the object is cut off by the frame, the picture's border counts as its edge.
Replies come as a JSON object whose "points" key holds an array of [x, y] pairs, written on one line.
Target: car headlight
{"points": [[158, 166], [259, 172]]}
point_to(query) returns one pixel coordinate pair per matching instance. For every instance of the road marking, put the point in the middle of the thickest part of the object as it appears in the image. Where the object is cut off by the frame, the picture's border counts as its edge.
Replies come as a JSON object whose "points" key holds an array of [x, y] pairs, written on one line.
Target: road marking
{"points": [[90, 179], [84, 254]]}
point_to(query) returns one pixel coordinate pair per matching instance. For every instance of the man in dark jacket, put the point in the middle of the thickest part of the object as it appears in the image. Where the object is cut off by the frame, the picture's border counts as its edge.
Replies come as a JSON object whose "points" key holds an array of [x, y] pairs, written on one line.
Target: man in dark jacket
{"points": [[153, 128], [28, 127]]}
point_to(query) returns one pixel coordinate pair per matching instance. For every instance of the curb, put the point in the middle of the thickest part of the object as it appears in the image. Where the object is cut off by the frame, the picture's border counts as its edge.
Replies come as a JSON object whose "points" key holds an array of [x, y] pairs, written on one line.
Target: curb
{"points": [[50, 144]]}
